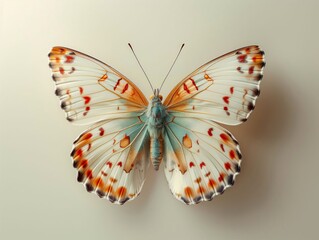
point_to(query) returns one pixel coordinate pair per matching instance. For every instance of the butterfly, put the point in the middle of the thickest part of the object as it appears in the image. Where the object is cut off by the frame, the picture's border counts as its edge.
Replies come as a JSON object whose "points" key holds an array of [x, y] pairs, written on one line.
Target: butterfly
{"points": [[128, 132]]}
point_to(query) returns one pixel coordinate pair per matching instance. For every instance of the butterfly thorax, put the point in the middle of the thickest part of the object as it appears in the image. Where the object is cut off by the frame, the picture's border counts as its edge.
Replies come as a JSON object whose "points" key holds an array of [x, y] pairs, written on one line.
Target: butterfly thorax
{"points": [[156, 116]]}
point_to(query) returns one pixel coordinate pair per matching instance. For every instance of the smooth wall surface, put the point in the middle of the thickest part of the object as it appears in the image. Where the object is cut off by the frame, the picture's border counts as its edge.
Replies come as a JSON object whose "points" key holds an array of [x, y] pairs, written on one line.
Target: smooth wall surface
{"points": [[276, 195]]}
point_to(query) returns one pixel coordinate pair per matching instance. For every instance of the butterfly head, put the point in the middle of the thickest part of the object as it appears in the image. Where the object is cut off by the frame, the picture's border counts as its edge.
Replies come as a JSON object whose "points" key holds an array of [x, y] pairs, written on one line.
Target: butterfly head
{"points": [[156, 97]]}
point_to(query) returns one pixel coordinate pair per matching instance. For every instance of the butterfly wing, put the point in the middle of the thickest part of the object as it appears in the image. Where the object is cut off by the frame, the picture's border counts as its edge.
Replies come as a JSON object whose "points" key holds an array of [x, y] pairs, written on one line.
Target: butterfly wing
{"points": [[224, 90], [91, 90], [201, 159], [112, 156]]}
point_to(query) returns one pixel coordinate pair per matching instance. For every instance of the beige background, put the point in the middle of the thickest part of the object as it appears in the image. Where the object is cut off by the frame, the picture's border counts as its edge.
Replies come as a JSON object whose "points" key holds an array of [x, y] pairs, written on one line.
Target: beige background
{"points": [[275, 197]]}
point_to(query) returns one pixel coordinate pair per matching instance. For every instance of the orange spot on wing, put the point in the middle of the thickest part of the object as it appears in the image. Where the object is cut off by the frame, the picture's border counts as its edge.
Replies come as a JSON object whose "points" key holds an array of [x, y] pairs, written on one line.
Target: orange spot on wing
{"points": [[258, 58], [98, 182], [201, 190], [187, 141], [103, 78], [198, 180], [121, 192], [86, 136], [211, 183], [109, 189], [207, 77], [189, 192], [125, 141], [113, 180]]}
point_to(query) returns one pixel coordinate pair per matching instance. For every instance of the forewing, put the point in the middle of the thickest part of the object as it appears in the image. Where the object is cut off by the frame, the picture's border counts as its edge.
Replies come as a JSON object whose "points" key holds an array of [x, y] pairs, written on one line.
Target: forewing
{"points": [[201, 159], [91, 90], [112, 158], [224, 90]]}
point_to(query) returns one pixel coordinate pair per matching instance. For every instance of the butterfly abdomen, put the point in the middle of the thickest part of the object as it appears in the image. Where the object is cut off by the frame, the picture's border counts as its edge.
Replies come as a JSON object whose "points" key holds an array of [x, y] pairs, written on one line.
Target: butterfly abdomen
{"points": [[156, 117], [156, 149]]}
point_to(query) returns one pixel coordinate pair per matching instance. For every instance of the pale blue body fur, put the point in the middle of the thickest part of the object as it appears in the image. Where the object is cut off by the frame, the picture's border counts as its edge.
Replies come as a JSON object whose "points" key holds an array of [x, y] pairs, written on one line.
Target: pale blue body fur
{"points": [[156, 115]]}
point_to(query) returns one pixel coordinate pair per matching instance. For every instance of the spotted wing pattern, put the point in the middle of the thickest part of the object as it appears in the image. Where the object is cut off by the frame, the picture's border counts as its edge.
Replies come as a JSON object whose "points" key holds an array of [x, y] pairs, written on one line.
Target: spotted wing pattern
{"points": [[201, 159], [91, 90], [112, 158], [224, 89]]}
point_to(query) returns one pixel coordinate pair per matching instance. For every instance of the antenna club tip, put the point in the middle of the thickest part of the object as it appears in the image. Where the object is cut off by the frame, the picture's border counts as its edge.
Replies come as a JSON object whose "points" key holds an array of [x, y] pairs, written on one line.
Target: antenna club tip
{"points": [[183, 45], [129, 45]]}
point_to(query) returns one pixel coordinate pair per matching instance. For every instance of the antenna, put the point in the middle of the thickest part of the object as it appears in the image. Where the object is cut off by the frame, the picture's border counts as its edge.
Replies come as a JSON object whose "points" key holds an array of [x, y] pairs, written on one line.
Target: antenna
{"points": [[172, 66], [141, 66]]}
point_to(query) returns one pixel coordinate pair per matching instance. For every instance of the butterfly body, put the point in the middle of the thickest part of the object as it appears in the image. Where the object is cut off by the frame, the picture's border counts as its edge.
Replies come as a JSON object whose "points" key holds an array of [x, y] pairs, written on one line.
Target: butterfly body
{"points": [[156, 119], [201, 158]]}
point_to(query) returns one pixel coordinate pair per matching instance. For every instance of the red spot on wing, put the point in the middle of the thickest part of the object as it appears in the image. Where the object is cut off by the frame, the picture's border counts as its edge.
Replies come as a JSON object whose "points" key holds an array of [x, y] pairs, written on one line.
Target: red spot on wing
{"points": [[125, 88], [83, 163], [221, 177], [87, 99], [226, 99], [81, 90], [101, 131], [89, 146], [227, 165], [231, 90], [251, 70], [222, 147], [224, 137], [186, 88], [89, 173], [193, 82], [239, 70], [242, 58], [210, 132], [232, 154], [109, 164], [201, 165], [118, 83], [226, 108], [120, 164], [78, 153], [61, 70], [69, 59], [191, 164]]}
